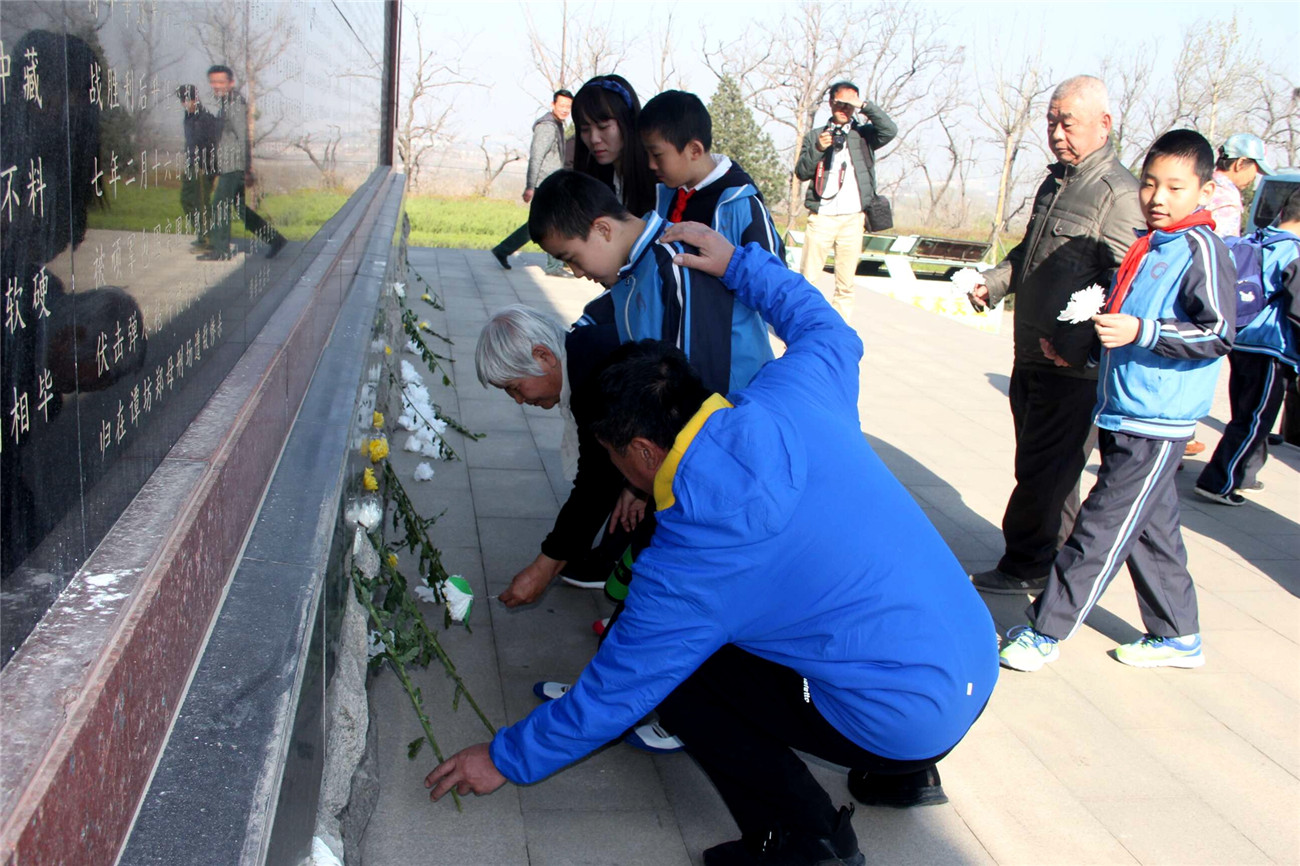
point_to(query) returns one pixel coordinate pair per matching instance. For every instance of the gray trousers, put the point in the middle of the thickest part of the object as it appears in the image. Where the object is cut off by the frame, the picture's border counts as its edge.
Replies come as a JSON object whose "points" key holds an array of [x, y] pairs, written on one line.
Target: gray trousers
{"points": [[1131, 516]]}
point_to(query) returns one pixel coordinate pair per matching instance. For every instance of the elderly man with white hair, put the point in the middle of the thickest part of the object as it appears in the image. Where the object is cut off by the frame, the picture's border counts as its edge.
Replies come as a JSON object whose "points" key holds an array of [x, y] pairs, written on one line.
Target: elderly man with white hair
{"points": [[536, 360], [1084, 218]]}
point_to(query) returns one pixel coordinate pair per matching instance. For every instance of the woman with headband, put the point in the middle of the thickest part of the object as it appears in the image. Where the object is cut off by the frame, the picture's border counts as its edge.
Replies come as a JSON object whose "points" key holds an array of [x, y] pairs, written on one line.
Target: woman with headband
{"points": [[608, 147]]}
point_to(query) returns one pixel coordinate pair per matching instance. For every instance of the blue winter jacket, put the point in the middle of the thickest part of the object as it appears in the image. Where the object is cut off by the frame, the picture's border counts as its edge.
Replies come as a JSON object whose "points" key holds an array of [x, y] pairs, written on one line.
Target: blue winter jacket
{"points": [[1275, 330], [1184, 292], [780, 531], [656, 299]]}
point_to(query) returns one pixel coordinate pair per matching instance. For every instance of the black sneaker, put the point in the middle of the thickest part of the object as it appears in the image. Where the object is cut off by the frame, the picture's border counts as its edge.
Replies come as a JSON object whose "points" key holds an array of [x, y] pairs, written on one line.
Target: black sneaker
{"points": [[1233, 498], [780, 847], [1001, 583], [276, 245], [897, 792], [501, 257]]}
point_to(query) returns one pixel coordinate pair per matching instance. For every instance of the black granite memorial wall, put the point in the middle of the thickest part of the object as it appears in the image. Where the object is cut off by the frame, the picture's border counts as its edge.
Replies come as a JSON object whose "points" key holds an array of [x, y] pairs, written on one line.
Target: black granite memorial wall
{"points": [[124, 169]]}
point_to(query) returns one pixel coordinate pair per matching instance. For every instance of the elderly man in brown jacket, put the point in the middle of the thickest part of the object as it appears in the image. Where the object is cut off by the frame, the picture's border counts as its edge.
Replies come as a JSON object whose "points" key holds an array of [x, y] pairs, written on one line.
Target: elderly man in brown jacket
{"points": [[1084, 218]]}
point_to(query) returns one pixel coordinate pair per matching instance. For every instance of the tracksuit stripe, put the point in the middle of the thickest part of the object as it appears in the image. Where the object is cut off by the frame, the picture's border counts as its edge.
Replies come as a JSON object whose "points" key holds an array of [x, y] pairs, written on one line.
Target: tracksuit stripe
{"points": [[1111, 565], [1244, 448]]}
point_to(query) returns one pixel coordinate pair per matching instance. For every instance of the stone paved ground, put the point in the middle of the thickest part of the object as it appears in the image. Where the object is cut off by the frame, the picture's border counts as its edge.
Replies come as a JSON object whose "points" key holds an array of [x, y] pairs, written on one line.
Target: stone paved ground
{"points": [[1087, 761]]}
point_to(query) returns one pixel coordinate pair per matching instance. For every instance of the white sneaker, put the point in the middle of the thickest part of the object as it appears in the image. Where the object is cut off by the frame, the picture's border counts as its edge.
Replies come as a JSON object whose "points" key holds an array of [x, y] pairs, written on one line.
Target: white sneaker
{"points": [[549, 691], [653, 738]]}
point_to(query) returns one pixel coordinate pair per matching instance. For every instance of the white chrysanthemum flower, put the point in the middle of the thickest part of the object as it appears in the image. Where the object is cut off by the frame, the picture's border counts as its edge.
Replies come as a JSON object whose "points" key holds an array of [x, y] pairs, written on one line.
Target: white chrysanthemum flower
{"points": [[369, 514], [967, 279], [423, 472], [459, 595], [413, 443], [1083, 305]]}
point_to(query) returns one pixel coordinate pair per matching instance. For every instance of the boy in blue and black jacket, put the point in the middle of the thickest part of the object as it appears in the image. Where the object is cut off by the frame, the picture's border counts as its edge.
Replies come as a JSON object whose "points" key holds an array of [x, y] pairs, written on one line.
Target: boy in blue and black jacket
{"points": [[647, 297], [1167, 323], [1263, 358]]}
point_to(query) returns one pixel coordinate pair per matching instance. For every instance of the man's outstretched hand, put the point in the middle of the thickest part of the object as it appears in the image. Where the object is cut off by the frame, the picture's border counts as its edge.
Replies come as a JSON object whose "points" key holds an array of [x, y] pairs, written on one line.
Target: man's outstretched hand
{"points": [[468, 771], [715, 250]]}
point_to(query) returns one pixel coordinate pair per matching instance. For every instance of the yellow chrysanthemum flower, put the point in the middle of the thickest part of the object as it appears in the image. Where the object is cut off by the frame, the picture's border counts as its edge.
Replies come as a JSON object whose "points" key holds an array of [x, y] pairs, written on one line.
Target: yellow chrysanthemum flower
{"points": [[392, 560], [388, 350], [368, 480], [379, 420], [378, 449], [425, 297]]}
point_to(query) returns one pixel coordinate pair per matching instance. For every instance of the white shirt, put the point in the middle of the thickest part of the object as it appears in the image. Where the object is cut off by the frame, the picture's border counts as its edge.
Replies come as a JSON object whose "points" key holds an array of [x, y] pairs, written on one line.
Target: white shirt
{"points": [[840, 200]]}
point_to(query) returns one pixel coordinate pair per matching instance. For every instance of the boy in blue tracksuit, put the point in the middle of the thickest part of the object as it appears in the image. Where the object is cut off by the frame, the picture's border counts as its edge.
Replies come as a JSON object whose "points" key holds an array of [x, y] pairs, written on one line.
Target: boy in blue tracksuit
{"points": [[1263, 358], [648, 297], [765, 614], [1167, 323]]}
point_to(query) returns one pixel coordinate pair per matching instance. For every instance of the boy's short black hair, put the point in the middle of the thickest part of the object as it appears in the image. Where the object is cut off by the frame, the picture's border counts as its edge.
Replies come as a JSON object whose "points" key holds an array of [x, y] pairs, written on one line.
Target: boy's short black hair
{"points": [[679, 118], [841, 85], [561, 92], [1185, 144], [1290, 210], [647, 389], [568, 202], [221, 67]]}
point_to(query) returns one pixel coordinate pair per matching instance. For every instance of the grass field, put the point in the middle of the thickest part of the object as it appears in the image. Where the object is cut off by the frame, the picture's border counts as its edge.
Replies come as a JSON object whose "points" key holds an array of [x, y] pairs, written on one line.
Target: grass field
{"points": [[467, 223]]}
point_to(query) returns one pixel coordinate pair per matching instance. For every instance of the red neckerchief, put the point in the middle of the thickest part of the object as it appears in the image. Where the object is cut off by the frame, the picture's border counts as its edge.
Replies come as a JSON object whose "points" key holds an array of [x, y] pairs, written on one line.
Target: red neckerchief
{"points": [[679, 204], [1133, 258]]}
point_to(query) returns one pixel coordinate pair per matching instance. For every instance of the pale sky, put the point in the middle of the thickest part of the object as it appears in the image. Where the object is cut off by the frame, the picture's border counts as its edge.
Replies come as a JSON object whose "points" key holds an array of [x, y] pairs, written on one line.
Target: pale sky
{"points": [[493, 39]]}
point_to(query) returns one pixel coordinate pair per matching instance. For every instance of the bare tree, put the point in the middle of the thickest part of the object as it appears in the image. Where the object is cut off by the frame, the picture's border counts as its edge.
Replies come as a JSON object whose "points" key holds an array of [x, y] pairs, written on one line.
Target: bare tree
{"points": [[327, 160], [1010, 104], [1275, 112], [586, 46], [426, 107], [1129, 75], [958, 155], [251, 47], [491, 171], [896, 50], [666, 76]]}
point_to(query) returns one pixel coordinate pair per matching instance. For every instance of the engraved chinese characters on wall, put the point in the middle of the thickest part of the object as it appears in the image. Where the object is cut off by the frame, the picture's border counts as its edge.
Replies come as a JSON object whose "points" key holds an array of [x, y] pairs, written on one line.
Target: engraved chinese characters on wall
{"points": [[152, 218]]}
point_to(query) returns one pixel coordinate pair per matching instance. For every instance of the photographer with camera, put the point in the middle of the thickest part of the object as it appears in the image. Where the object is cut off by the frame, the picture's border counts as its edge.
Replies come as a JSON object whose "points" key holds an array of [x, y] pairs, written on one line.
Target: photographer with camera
{"points": [[840, 160]]}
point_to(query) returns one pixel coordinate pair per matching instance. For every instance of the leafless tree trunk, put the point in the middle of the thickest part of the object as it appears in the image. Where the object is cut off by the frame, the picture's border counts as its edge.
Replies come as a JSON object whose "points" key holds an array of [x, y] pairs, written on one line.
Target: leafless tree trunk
{"points": [[666, 76], [1129, 75], [1276, 113], [1010, 104], [424, 104], [892, 51], [587, 45], [328, 160], [490, 171]]}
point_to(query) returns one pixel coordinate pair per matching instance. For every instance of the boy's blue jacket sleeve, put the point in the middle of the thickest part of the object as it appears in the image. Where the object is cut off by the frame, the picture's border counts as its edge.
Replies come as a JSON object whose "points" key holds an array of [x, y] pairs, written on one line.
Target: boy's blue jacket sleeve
{"points": [[683, 604], [1208, 297]]}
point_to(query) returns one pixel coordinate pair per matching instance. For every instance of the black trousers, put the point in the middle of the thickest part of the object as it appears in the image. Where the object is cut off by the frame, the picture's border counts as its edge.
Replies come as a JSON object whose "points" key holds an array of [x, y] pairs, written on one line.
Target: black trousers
{"points": [[740, 716], [513, 241], [1052, 414], [1256, 385], [1131, 516]]}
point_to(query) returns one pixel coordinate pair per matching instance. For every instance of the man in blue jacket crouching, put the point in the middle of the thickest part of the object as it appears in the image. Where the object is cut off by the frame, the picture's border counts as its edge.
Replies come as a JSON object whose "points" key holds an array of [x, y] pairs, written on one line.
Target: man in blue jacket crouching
{"points": [[794, 595]]}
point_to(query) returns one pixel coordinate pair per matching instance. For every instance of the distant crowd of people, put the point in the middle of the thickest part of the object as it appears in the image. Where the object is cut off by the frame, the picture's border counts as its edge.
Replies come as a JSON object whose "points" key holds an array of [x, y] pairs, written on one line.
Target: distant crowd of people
{"points": [[777, 588]]}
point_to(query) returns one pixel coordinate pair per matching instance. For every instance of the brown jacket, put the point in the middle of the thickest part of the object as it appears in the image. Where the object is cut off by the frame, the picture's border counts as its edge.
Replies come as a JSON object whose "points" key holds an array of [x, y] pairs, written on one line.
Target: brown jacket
{"points": [[1083, 222]]}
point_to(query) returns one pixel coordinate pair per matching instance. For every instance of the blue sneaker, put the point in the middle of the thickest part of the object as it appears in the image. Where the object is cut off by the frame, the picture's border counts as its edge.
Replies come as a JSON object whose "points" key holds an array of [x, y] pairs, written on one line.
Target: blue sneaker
{"points": [[549, 691], [1163, 652], [1027, 650]]}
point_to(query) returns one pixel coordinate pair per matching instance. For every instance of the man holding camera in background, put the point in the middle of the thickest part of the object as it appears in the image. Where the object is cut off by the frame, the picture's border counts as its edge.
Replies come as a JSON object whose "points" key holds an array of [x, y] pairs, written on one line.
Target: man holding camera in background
{"points": [[840, 161]]}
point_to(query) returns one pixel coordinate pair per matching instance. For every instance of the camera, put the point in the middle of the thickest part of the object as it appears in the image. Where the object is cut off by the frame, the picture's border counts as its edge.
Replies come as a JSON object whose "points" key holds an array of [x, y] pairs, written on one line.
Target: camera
{"points": [[838, 137]]}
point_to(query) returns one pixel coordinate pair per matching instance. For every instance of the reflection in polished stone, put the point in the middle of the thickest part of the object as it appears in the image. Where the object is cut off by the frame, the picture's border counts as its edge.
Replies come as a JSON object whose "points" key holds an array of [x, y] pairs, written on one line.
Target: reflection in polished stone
{"points": [[123, 171]]}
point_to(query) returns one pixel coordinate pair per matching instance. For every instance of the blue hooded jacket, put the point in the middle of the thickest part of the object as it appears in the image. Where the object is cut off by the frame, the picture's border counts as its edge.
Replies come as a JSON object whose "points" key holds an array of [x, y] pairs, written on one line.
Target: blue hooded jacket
{"points": [[658, 300], [1185, 295], [780, 531]]}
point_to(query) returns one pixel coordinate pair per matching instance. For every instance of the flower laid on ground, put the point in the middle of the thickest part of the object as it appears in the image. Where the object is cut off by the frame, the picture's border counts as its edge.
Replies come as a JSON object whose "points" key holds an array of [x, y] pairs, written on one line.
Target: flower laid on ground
{"points": [[379, 420], [365, 512], [388, 350], [459, 595], [368, 480], [392, 560], [377, 449], [426, 297], [424, 326], [424, 472], [399, 289]]}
